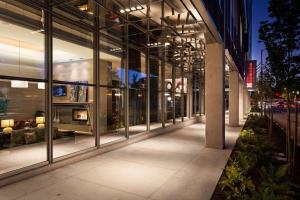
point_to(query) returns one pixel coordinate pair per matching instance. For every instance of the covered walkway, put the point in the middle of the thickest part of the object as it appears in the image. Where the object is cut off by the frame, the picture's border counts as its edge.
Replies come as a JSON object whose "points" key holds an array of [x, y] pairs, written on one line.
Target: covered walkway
{"points": [[176, 165]]}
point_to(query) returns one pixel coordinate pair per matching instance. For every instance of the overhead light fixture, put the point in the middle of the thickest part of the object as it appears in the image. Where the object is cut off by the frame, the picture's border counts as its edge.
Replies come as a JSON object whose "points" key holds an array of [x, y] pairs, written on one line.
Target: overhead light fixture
{"points": [[83, 7], [41, 85], [37, 31], [19, 84], [131, 9], [157, 44]]}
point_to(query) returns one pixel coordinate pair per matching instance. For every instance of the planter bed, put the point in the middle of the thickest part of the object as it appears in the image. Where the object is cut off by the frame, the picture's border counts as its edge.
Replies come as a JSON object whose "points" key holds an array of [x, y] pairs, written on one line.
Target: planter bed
{"points": [[257, 168]]}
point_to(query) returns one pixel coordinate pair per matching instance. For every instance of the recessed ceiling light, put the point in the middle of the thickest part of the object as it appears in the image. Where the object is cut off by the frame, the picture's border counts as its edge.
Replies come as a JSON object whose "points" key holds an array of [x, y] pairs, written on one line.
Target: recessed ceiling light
{"points": [[122, 11], [83, 7], [127, 10], [133, 8], [139, 7]]}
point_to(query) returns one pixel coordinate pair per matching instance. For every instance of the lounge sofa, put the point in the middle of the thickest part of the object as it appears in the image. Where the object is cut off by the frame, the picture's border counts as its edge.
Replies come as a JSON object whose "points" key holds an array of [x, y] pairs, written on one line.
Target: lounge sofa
{"points": [[25, 136]]}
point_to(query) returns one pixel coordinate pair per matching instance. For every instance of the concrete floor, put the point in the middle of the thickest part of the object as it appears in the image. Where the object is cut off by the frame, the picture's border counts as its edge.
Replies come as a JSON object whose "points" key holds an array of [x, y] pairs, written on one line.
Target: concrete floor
{"points": [[171, 166], [26, 155]]}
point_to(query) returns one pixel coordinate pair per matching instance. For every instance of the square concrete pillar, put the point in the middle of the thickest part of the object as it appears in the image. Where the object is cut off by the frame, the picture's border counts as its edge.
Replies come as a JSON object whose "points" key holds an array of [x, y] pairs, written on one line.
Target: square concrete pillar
{"points": [[233, 98], [245, 110], [214, 96], [241, 100]]}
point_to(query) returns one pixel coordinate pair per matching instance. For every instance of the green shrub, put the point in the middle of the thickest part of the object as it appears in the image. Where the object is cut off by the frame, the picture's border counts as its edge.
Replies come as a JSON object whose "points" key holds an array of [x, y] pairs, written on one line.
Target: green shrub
{"points": [[235, 184], [251, 172], [255, 109], [274, 183]]}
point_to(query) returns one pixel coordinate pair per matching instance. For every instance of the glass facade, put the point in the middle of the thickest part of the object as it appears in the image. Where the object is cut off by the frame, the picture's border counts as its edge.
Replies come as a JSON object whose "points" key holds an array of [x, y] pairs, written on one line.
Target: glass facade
{"points": [[82, 74]]}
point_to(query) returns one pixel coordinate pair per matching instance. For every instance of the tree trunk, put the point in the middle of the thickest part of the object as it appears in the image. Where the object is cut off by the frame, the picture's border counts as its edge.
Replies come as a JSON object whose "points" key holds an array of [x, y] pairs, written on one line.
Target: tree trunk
{"points": [[295, 143], [288, 133], [261, 106], [270, 117]]}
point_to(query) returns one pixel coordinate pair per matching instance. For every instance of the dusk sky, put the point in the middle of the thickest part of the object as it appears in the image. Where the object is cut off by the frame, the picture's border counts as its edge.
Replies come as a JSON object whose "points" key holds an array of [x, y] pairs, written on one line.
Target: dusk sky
{"points": [[259, 13]]}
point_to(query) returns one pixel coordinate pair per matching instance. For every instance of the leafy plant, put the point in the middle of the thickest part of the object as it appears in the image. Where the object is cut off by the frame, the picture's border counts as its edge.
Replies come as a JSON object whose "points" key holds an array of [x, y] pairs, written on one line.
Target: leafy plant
{"points": [[252, 172], [3, 104], [274, 183], [236, 184]]}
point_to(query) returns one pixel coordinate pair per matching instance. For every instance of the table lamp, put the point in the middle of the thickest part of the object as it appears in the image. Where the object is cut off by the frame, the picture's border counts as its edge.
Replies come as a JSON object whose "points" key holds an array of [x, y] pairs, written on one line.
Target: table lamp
{"points": [[7, 125], [40, 122]]}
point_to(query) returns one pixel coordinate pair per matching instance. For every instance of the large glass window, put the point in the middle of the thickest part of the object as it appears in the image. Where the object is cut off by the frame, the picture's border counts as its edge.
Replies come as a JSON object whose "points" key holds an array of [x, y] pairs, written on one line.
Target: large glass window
{"points": [[137, 84], [73, 87], [22, 88], [112, 73], [155, 94], [178, 97], [169, 101]]}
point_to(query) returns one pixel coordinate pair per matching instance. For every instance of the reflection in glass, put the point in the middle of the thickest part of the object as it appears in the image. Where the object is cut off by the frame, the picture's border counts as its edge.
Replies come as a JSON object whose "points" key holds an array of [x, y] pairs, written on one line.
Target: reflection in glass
{"points": [[155, 94], [21, 53], [22, 102], [112, 126], [178, 86], [112, 61], [169, 101], [22, 132], [137, 92]]}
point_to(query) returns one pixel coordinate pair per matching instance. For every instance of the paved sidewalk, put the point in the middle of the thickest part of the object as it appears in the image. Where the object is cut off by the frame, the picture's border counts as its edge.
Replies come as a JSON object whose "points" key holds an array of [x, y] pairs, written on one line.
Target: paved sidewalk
{"points": [[173, 166]]}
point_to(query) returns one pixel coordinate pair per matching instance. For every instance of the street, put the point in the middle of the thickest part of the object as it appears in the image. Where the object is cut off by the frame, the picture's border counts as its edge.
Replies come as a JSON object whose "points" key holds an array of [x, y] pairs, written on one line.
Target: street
{"points": [[281, 119]]}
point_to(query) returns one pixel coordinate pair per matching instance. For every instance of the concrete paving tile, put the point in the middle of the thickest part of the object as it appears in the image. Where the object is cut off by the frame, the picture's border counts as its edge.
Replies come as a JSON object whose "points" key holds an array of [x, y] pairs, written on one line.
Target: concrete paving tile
{"points": [[82, 166], [156, 158], [187, 188], [30, 185], [128, 176], [76, 189], [170, 145]]}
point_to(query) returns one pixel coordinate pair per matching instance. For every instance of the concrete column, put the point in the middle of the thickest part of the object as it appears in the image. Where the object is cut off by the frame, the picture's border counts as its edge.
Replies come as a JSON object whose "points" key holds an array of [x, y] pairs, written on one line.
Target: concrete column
{"points": [[233, 98], [241, 94], [245, 110], [214, 96], [249, 102]]}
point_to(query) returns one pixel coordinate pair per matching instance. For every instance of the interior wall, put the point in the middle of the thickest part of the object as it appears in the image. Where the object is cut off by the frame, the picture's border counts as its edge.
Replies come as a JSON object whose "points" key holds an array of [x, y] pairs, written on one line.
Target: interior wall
{"points": [[23, 102], [80, 70]]}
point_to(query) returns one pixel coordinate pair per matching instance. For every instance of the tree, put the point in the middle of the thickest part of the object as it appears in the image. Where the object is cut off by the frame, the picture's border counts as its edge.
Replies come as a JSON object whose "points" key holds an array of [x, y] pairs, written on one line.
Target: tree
{"points": [[281, 37]]}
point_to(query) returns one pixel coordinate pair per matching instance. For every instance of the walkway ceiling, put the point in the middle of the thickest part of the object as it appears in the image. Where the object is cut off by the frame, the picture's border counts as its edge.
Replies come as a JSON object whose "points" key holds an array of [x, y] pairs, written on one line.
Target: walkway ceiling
{"points": [[174, 22]]}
